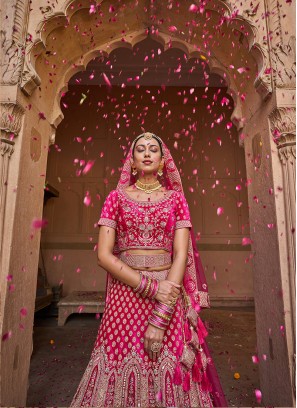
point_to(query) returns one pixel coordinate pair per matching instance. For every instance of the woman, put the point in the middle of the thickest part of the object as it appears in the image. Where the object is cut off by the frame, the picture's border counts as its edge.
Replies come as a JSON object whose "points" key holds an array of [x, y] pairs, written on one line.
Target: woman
{"points": [[150, 349]]}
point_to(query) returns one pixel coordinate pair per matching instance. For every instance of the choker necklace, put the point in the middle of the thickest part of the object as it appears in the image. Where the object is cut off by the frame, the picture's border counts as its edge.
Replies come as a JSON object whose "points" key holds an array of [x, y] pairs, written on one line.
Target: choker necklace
{"points": [[148, 188]]}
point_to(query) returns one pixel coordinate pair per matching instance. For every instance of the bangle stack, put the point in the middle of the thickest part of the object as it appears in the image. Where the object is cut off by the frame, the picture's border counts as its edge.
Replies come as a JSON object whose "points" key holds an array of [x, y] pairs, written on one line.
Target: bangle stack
{"points": [[161, 315], [147, 287]]}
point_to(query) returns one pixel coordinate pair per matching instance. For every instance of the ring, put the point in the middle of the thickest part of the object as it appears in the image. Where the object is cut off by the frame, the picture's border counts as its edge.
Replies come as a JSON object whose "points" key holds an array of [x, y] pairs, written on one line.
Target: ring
{"points": [[155, 347], [173, 302]]}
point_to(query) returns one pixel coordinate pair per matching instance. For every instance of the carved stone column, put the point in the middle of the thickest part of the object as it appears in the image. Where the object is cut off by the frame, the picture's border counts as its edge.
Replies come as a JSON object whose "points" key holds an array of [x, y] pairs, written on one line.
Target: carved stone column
{"points": [[283, 125], [10, 125]]}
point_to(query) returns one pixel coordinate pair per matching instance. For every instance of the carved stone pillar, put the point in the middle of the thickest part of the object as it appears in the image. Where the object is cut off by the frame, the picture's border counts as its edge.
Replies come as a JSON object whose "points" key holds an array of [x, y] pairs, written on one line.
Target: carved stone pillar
{"points": [[283, 125], [10, 125]]}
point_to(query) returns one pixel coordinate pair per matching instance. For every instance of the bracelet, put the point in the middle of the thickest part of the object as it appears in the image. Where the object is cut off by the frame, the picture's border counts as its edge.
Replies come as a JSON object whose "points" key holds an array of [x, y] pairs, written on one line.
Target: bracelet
{"points": [[162, 315], [158, 322], [153, 289], [147, 287], [156, 325]]}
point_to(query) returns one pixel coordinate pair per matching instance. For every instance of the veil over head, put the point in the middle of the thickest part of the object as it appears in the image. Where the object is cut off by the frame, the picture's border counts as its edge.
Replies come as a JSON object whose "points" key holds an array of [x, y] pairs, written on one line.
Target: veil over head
{"points": [[194, 280]]}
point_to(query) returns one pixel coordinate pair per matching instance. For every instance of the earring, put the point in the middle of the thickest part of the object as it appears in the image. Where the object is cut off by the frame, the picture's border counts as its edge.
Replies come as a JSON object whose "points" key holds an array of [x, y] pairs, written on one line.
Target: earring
{"points": [[160, 172], [134, 171]]}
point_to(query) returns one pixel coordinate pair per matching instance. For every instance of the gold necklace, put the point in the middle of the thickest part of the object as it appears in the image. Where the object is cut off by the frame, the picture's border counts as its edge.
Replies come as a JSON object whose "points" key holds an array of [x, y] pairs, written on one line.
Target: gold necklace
{"points": [[148, 188]]}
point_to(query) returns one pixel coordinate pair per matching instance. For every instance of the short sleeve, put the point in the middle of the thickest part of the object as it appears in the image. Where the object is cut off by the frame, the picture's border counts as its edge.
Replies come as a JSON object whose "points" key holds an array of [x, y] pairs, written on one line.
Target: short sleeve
{"points": [[182, 213], [109, 213]]}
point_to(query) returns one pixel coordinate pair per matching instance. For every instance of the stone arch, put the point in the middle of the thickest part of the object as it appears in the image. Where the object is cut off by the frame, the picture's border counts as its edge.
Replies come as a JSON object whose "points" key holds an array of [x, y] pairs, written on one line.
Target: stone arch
{"points": [[228, 17], [106, 49]]}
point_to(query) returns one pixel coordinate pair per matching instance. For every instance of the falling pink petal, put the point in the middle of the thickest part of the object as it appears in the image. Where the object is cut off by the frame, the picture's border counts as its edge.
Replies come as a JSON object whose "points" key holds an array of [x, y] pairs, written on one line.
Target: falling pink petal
{"points": [[225, 101], [92, 9], [9, 278], [11, 288], [88, 166], [258, 395], [106, 80], [193, 8], [214, 275], [220, 210], [246, 241], [7, 336], [229, 125], [79, 139], [255, 359], [172, 29], [87, 199], [238, 187], [111, 9], [78, 270], [91, 76], [41, 116], [39, 223], [219, 120], [80, 309], [268, 71], [243, 69]]}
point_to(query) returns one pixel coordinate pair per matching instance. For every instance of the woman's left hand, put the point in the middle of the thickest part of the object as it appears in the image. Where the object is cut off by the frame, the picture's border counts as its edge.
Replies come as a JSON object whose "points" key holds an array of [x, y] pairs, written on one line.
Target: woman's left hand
{"points": [[152, 335]]}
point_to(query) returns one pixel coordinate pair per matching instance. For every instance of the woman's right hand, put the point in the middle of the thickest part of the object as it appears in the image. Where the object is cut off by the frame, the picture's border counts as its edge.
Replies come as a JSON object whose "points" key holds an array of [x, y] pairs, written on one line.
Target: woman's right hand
{"points": [[168, 291]]}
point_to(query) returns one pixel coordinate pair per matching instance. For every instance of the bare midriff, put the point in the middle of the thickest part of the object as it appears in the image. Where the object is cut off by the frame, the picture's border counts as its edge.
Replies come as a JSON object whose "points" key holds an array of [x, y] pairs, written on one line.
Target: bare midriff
{"points": [[149, 252]]}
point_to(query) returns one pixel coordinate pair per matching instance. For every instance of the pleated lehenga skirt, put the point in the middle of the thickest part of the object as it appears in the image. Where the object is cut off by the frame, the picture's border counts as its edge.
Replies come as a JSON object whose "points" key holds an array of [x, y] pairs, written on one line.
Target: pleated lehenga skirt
{"points": [[120, 372]]}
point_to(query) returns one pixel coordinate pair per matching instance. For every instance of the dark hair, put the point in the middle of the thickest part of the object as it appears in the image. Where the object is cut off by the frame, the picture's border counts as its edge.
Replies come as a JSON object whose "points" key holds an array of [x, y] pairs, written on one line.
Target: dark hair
{"points": [[154, 136]]}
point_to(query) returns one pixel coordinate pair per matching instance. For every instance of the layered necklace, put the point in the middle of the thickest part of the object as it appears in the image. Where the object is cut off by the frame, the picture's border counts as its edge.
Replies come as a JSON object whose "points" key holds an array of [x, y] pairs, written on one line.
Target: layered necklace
{"points": [[148, 188]]}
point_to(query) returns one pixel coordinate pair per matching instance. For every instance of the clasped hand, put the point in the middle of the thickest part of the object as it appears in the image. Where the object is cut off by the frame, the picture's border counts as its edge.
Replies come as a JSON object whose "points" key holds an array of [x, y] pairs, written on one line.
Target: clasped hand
{"points": [[167, 292]]}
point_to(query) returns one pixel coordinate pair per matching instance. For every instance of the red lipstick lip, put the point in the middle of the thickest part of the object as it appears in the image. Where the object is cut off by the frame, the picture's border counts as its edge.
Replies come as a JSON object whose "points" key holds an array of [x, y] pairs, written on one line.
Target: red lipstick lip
{"points": [[147, 161]]}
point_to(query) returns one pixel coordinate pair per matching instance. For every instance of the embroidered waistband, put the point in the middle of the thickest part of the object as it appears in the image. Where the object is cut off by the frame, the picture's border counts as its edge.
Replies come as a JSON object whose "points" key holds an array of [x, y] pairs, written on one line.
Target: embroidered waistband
{"points": [[145, 261]]}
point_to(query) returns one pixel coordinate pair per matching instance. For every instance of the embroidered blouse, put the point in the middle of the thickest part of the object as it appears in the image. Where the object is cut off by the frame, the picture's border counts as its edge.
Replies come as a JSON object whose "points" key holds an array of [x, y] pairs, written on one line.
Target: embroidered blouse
{"points": [[145, 224]]}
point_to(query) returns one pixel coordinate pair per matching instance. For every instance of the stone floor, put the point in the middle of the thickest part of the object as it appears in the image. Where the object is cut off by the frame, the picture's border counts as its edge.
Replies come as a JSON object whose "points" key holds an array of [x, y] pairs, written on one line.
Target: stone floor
{"points": [[61, 355]]}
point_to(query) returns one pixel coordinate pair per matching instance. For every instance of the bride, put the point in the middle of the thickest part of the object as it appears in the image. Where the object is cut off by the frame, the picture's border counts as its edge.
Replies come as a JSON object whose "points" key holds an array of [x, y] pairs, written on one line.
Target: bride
{"points": [[150, 349]]}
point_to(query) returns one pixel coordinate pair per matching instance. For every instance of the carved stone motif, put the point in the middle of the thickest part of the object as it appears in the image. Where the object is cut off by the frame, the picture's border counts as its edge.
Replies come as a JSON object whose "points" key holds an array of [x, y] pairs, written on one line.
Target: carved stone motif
{"points": [[11, 119], [13, 40], [284, 58], [282, 122], [283, 54]]}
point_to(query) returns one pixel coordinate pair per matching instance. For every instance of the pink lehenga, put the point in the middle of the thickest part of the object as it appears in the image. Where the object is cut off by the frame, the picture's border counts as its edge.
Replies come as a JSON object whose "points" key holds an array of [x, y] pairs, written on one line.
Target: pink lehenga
{"points": [[120, 372]]}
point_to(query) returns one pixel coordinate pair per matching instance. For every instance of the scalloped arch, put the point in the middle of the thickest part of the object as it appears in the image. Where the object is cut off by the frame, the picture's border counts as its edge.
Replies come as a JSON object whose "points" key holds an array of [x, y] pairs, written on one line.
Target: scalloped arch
{"points": [[70, 8], [164, 40]]}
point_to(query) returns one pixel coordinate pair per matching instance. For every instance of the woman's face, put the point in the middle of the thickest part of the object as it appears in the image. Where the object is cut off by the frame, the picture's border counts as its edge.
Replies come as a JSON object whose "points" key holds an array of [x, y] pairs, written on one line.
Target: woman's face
{"points": [[147, 156]]}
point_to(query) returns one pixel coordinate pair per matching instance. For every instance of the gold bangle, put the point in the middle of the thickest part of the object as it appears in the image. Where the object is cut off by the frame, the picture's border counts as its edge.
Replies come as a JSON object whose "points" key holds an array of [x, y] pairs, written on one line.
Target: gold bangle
{"points": [[163, 316], [147, 287]]}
